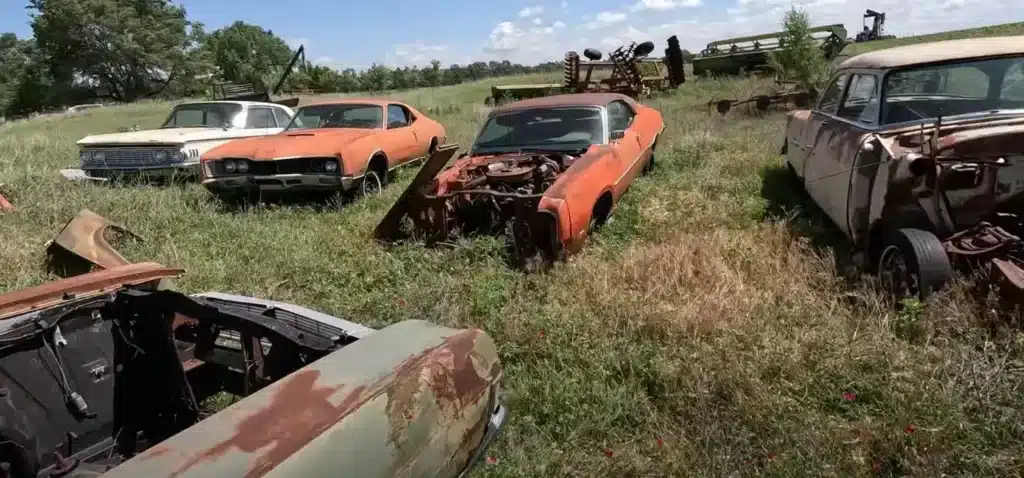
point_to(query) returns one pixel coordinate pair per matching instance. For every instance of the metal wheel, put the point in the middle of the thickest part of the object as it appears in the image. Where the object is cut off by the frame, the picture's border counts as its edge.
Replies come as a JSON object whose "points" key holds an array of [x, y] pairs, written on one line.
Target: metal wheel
{"points": [[371, 184], [913, 264]]}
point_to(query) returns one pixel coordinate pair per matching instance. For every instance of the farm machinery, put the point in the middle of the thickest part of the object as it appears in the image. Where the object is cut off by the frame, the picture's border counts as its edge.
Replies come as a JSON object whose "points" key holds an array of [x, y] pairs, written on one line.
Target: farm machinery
{"points": [[749, 54], [631, 72], [260, 92]]}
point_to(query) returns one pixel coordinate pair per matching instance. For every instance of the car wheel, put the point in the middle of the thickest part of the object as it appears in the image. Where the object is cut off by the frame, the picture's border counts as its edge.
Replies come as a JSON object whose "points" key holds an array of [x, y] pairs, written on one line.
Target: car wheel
{"points": [[913, 264], [372, 184]]}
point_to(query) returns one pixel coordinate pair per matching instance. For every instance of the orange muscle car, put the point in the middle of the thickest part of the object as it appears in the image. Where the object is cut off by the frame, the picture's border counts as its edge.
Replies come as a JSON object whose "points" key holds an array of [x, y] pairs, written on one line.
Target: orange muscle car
{"points": [[342, 146], [545, 172]]}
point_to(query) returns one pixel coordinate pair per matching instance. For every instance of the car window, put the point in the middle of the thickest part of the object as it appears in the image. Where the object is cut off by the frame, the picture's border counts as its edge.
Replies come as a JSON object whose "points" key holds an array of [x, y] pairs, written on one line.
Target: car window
{"points": [[862, 100], [282, 117], [260, 117], [619, 115], [202, 115], [974, 86], [830, 100], [557, 128], [397, 116], [344, 115]]}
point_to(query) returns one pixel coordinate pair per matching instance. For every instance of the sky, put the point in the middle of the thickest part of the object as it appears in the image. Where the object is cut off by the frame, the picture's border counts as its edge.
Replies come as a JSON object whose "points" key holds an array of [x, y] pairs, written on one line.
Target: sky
{"points": [[408, 32]]}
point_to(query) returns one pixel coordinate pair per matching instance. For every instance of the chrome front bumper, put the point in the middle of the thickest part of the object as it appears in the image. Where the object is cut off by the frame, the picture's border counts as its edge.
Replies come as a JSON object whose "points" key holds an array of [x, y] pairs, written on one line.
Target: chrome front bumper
{"points": [[280, 182], [183, 170]]}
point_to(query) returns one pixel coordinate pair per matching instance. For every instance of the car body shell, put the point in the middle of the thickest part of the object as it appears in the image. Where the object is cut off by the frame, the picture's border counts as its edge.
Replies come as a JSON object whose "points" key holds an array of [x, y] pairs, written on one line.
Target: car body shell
{"points": [[133, 151], [861, 171], [592, 184], [411, 399], [273, 159]]}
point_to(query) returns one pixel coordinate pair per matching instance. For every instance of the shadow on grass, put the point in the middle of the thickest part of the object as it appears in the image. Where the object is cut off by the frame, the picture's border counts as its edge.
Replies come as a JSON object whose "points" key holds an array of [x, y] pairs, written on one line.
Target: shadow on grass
{"points": [[318, 202], [788, 201]]}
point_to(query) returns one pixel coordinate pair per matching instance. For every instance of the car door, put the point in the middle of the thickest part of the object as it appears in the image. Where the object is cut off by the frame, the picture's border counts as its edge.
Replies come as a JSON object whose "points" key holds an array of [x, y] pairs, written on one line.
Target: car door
{"points": [[627, 143], [401, 135], [817, 138], [260, 120]]}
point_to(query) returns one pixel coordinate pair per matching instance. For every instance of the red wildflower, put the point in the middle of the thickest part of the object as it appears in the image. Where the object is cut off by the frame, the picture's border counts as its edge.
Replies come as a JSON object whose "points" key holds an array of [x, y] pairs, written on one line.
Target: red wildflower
{"points": [[491, 460], [849, 396], [661, 442], [608, 452], [771, 455], [402, 302], [541, 333], [876, 467], [910, 429]]}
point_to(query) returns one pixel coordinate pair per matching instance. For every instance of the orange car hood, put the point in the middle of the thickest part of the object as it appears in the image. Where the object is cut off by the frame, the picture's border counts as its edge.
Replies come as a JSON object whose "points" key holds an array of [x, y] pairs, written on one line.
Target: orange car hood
{"points": [[321, 142], [95, 283]]}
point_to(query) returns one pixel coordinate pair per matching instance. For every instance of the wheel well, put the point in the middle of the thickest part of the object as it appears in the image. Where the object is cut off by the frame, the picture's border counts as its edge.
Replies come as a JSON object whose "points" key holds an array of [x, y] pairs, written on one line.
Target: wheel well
{"points": [[433, 142], [378, 163], [602, 208]]}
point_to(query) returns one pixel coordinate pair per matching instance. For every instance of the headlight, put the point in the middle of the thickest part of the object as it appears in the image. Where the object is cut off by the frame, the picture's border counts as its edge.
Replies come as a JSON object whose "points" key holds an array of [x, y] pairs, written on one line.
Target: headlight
{"points": [[242, 166], [317, 165], [229, 166], [85, 156], [331, 166], [99, 156], [160, 155], [177, 156]]}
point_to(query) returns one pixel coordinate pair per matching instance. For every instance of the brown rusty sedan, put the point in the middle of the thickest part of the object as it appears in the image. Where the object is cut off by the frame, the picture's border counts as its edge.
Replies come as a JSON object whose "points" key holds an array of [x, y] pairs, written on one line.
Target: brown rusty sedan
{"points": [[917, 154], [108, 373]]}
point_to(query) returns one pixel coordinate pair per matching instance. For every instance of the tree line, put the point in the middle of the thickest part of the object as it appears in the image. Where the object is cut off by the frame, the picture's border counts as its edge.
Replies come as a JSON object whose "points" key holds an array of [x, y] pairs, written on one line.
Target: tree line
{"points": [[126, 50]]}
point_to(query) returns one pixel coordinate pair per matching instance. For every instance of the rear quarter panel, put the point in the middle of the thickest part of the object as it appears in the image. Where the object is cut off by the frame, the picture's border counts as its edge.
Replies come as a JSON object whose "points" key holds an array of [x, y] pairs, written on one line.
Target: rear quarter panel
{"points": [[412, 399]]}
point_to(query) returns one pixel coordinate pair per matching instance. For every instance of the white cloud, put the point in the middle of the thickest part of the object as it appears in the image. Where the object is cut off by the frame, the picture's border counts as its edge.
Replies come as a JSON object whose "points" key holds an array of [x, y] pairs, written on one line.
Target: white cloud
{"points": [[605, 19], [417, 53], [528, 12], [529, 43], [663, 5], [538, 21]]}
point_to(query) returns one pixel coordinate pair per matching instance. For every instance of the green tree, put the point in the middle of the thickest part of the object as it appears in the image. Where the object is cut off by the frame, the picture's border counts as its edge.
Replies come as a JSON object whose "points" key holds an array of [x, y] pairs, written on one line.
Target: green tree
{"points": [[800, 59], [131, 47], [244, 52], [14, 57]]}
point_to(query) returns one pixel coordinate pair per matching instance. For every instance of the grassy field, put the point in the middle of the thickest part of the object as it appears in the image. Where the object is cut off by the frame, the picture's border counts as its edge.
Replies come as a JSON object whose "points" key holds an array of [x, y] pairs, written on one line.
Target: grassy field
{"points": [[708, 330]]}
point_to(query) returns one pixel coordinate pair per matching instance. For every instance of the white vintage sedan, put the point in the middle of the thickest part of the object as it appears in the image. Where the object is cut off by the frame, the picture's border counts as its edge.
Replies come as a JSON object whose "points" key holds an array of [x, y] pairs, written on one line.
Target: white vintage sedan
{"points": [[174, 149]]}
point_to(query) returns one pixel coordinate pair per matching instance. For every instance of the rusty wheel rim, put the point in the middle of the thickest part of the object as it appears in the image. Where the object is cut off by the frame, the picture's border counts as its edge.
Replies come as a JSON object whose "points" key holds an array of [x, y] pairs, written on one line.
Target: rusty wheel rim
{"points": [[371, 184], [895, 276]]}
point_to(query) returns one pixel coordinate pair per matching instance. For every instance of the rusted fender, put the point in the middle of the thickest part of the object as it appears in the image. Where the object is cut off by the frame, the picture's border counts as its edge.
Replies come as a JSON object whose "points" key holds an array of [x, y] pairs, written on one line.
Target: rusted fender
{"points": [[389, 227], [413, 399], [84, 237]]}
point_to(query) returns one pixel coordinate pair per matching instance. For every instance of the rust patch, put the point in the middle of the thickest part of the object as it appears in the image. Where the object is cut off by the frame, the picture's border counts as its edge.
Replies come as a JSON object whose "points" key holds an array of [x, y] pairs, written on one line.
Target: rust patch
{"points": [[299, 412]]}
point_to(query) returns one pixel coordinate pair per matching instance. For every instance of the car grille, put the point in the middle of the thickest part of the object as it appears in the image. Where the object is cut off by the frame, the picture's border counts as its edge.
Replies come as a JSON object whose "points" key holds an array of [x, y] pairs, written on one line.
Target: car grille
{"points": [[128, 157], [277, 166]]}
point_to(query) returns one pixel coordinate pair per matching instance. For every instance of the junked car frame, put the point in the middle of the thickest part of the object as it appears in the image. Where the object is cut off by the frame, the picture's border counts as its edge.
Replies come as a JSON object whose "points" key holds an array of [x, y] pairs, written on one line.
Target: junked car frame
{"points": [[106, 374], [915, 154], [545, 173]]}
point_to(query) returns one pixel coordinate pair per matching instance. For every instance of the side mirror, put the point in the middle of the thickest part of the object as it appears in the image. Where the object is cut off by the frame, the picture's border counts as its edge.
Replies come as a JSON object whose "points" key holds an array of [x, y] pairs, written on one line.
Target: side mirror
{"points": [[617, 135]]}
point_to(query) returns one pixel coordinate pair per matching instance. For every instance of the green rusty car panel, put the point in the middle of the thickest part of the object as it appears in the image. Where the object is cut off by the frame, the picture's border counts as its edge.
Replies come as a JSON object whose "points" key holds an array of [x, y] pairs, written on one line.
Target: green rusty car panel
{"points": [[412, 399]]}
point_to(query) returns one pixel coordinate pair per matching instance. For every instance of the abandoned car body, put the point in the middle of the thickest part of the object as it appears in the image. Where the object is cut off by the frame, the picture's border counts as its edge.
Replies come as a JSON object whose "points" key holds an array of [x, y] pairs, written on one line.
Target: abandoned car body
{"points": [[916, 154], [545, 172], [174, 149], [106, 374], [342, 146]]}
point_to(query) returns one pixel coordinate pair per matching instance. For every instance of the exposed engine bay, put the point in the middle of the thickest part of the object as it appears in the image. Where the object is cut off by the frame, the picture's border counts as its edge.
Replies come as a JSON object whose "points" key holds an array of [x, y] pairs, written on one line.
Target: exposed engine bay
{"points": [[90, 383], [520, 174]]}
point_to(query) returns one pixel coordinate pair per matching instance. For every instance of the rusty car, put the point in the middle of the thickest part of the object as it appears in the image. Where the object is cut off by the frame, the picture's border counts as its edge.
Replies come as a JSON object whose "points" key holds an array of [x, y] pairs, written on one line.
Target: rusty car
{"points": [[544, 172], [916, 153], [112, 373], [341, 146]]}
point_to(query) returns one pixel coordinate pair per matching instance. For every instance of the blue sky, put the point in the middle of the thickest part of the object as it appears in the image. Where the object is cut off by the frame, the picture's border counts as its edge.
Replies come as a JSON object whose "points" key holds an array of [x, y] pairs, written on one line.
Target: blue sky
{"points": [[405, 32]]}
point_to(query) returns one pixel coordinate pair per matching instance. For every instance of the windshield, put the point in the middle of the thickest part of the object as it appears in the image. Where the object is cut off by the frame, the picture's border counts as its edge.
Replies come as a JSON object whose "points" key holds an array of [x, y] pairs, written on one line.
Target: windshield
{"points": [[338, 116], [954, 89], [202, 115], [547, 128]]}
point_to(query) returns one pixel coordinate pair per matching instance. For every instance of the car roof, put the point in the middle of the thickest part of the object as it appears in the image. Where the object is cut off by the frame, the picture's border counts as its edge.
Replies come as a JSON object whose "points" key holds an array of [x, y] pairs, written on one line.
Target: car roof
{"points": [[936, 52], [358, 100], [572, 99]]}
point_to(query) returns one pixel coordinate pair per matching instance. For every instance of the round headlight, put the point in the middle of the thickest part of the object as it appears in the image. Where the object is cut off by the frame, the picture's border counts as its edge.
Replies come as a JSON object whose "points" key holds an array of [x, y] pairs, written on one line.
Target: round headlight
{"points": [[331, 166], [242, 166], [229, 166], [177, 156], [85, 156], [99, 156], [160, 155]]}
